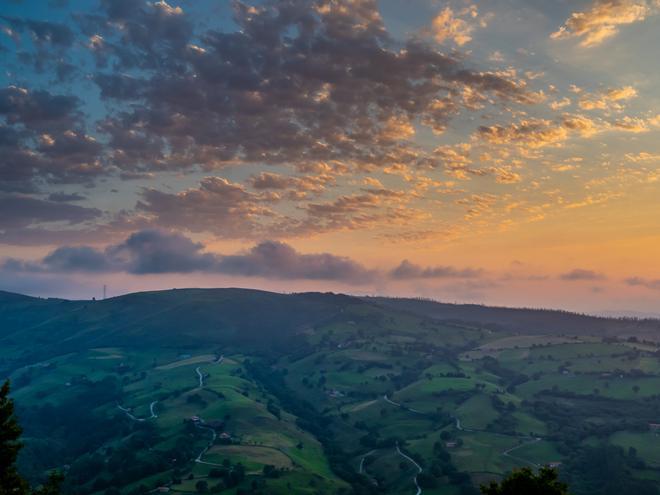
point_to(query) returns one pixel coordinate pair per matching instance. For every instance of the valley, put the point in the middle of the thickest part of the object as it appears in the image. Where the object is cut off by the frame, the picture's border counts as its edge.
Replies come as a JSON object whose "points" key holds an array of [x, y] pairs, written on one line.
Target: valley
{"points": [[231, 391]]}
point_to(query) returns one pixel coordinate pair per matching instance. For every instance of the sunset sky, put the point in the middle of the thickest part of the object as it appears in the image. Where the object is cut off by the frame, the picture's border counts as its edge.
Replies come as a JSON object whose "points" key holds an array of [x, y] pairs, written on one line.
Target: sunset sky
{"points": [[503, 152]]}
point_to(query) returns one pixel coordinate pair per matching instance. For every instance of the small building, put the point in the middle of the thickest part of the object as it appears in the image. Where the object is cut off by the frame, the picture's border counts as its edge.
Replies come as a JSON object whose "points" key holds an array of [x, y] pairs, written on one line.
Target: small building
{"points": [[224, 436], [450, 445], [654, 426], [195, 419], [555, 464]]}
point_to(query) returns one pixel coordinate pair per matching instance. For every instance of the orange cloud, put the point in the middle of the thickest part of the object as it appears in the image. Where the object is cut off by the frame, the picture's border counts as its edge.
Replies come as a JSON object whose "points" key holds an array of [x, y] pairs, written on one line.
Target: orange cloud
{"points": [[602, 20], [608, 100], [447, 26]]}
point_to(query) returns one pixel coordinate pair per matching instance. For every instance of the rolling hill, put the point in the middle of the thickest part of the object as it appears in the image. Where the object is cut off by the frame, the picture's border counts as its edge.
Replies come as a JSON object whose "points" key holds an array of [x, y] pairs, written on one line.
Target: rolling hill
{"points": [[245, 391]]}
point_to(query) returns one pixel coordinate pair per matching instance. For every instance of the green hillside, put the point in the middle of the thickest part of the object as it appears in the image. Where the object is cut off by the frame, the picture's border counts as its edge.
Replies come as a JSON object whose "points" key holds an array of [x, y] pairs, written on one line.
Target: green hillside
{"points": [[243, 391]]}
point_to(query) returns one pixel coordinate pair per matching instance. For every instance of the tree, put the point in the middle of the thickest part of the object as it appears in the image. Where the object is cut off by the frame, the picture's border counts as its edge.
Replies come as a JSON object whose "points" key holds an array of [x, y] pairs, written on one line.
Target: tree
{"points": [[10, 432], [11, 483], [525, 482], [51, 486]]}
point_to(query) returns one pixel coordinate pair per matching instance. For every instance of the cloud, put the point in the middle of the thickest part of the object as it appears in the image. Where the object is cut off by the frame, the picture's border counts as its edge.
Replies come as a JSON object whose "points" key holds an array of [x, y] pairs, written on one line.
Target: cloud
{"points": [[156, 251], [280, 261], [225, 208], [42, 31], [43, 139], [407, 270], [371, 207], [602, 20], [580, 274], [608, 100], [540, 133], [160, 252], [38, 110], [145, 252], [448, 26], [231, 211], [62, 197], [337, 85], [653, 284], [152, 251], [307, 85], [18, 212], [642, 157], [535, 133], [74, 259], [295, 188]]}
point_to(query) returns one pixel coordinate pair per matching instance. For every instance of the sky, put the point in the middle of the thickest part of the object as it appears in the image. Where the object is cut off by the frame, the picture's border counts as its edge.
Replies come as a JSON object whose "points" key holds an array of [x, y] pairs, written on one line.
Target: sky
{"points": [[501, 152]]}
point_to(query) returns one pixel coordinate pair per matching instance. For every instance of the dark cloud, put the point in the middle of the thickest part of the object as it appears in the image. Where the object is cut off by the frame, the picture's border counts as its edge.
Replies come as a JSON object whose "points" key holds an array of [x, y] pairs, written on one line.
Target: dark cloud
{"points": [[137, 34], [26, 220], [119, 86], [144, 252], [18, 212], [43, 139], [407, 270], [49, 47], [280, 261], [153, 251], [38, 110], [581, 274], [42, 31], [148, 25], [73, 259], [157, 252]]}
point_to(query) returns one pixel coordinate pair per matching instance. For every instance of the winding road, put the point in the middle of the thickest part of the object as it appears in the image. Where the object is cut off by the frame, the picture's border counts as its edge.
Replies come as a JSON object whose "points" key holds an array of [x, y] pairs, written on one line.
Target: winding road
{"points": [[419, 468], [406, 408], [460, 427], [198, 459], [361, 470], [201, 426], [201, 376], [520, 459], [134, 418]]}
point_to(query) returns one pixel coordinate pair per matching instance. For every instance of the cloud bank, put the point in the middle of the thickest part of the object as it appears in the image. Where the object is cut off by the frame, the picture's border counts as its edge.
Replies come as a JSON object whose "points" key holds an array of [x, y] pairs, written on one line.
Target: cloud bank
{"points": [[151, 251]]}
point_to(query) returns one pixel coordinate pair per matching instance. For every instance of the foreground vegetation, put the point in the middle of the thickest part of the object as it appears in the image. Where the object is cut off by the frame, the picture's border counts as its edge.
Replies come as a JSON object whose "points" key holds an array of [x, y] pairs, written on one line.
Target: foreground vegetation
{"points": [[233, 391], [11, 482]]}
